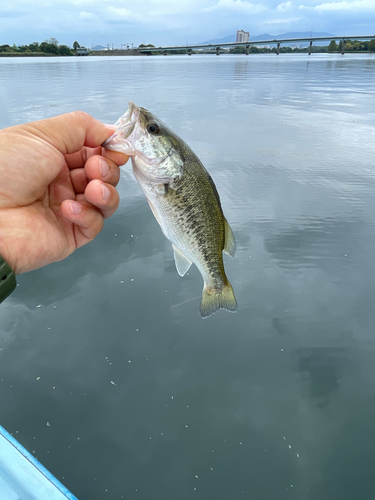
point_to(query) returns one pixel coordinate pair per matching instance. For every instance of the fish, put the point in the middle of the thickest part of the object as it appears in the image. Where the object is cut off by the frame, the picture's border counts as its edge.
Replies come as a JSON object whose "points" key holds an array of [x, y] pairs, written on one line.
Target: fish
{"points": [[184, 200]]}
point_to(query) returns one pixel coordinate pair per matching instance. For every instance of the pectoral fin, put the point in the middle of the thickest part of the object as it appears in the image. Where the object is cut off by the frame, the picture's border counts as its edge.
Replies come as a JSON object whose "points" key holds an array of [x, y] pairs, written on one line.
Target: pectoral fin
{"points": [[182, 262], [230, 242], [154, 211]]}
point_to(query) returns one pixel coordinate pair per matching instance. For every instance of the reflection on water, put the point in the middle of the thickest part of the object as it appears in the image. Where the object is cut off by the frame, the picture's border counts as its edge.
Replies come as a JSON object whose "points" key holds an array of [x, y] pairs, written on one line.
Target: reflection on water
{"points": [[321, 371], [107, 372]]}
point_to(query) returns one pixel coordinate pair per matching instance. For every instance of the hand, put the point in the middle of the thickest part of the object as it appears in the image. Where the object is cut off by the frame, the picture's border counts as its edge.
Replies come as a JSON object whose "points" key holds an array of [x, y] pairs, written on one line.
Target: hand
{"points": [[56, 188]]}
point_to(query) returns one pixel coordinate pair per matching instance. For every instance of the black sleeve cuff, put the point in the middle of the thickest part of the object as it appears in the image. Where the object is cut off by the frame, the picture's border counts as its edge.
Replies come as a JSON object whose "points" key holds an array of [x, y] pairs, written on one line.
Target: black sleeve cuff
{"points": [[7, 280]]}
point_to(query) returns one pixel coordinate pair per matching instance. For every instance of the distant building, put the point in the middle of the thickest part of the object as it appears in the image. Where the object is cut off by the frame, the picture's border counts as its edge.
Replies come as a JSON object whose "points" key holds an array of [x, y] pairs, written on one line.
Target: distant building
{"points": [[82, 51], [242, 36]]}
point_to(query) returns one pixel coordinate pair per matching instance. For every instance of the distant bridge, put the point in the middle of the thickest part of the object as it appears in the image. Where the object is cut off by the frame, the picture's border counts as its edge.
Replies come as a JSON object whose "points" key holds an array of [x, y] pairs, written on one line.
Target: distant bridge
{"points": [[217, 47]]}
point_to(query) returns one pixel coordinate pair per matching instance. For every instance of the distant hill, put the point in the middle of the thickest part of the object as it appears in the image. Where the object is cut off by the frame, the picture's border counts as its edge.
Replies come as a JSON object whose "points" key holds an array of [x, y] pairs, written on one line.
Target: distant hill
{"points": [[225, 39], [292, 34], [99, 47], [267, 36]]}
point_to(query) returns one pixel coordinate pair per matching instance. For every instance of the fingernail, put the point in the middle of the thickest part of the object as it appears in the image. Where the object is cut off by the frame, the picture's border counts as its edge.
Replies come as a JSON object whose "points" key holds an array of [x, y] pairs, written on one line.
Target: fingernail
{"points": [[75, 208], [106, 192], [103, 167]]}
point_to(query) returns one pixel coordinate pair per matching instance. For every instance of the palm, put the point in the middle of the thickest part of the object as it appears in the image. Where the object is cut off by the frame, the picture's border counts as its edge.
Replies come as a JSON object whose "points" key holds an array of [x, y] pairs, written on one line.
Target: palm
{"points": [[40, 224]]}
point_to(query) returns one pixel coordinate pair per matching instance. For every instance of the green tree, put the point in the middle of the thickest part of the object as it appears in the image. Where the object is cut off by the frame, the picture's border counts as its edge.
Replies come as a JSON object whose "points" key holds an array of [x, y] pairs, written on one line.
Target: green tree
{"points": [[76, 45], [64, 50], [53, 41], [49, 48], [33, 47], [371, 45], [332, 47], [5, 48], [238, 50], [284, 50]]}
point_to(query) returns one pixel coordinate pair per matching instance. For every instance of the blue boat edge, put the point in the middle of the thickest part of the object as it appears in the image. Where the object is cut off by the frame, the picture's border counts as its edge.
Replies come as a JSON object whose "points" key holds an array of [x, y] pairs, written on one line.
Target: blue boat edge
{"points": [[34, 462]]}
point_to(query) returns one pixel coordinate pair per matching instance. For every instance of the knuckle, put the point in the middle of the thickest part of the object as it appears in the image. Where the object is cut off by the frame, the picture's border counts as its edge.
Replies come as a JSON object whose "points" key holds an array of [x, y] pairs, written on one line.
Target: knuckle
{"points": [[81, 115]]}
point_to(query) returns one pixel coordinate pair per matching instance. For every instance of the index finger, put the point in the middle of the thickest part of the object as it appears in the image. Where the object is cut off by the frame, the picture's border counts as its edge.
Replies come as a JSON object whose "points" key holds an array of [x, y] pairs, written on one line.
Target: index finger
{"points": [[118, 158], [78, 159]]}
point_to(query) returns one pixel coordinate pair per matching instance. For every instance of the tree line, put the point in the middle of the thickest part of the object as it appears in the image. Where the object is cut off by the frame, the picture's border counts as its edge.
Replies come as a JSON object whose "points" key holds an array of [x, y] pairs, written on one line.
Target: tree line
{"points": [[50, 46], [351, 46]]}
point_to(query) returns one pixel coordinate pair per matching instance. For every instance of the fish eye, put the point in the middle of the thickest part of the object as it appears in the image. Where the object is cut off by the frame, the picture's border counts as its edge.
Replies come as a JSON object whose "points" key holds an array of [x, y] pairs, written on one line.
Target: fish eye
{"points": [[153, 128]]}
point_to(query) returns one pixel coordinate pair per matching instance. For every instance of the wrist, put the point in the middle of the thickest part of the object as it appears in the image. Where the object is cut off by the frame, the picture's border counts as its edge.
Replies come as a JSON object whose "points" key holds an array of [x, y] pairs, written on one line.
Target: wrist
{"points": [[10, 238], [7, 280], [5, 252]]}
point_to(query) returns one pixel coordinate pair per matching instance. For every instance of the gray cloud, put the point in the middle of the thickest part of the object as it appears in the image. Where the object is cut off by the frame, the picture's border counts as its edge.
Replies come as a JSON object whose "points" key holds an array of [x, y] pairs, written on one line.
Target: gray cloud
{"points": [[169, 22]]}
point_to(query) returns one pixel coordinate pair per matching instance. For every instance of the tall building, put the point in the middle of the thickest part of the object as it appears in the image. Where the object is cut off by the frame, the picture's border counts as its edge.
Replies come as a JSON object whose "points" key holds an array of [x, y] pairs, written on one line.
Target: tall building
{"points": [[242, 36]]}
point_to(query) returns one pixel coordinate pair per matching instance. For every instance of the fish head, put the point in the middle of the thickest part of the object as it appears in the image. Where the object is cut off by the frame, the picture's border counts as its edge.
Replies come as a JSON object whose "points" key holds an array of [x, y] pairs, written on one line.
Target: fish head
{"points": [[156, 151]]}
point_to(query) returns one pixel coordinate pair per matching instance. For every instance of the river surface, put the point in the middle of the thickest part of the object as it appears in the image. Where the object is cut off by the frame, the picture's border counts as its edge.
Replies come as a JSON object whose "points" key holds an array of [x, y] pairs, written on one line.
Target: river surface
{"points": [[109, 376]]}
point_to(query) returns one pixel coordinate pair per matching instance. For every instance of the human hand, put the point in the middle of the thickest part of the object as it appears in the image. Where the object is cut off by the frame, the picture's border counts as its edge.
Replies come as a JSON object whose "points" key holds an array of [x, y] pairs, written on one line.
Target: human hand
{"points": [[57, 185]]}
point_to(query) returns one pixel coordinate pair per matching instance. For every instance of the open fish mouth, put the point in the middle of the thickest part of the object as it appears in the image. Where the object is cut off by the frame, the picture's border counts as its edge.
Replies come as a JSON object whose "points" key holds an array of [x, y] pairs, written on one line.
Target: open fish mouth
{"points": [[157, 159], [119, 141], [124, 127], [126, 123]]}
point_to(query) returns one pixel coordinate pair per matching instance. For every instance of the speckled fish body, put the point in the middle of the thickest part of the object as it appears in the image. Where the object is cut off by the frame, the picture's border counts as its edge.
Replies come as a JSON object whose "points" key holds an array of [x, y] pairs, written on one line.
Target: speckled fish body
{"points": [[183, 199]]}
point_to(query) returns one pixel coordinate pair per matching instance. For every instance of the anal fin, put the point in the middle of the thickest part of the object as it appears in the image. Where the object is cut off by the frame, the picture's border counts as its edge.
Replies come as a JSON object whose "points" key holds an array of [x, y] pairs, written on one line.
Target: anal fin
{"points": [[182, 262], [230, 242]]}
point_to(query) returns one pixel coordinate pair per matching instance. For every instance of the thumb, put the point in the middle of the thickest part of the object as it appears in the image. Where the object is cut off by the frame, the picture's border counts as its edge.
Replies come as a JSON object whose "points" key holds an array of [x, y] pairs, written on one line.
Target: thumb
{"points": [[69, 132]]}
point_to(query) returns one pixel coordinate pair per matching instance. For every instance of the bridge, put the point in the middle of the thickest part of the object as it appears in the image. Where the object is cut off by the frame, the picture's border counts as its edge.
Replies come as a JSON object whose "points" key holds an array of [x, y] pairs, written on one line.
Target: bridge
{"points": [[217, 47]]}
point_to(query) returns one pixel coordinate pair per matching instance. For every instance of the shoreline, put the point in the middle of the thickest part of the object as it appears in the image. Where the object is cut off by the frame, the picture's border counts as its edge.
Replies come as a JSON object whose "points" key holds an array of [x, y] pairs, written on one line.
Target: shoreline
{"points": [[123, 53], [29, 54]]}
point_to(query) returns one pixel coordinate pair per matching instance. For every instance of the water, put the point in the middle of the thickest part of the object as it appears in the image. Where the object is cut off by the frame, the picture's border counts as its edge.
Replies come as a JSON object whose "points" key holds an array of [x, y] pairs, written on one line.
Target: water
{"points": [[109, 375]]}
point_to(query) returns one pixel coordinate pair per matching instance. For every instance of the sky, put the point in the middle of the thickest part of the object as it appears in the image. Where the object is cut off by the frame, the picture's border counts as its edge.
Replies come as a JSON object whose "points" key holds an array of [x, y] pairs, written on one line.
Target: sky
{"points": [[175, 22]]}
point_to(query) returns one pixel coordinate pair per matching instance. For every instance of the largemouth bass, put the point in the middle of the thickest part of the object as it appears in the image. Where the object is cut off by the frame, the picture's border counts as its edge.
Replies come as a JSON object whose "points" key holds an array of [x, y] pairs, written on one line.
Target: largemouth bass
{"points": [[183, 199]]}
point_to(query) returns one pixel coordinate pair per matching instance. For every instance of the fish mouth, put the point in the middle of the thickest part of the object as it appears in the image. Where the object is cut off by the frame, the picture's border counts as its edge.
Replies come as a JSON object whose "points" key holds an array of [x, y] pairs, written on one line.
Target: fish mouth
{"points": [[124, 141], [126, 123], [124, 128]]}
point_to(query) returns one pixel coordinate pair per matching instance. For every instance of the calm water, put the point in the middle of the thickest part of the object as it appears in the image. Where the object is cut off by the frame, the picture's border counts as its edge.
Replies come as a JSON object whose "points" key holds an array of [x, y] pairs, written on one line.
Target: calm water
{"points": [[109, 375]]}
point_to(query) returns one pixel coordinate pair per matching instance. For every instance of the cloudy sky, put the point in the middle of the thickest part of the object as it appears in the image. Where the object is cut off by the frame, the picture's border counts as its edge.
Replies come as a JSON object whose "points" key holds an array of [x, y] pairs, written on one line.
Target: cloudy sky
{"points": [[175, 22]]}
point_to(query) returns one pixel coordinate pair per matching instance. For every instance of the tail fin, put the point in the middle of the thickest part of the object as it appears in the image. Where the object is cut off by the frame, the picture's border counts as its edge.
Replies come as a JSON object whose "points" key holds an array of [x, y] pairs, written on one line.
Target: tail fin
{"points": [[214, 299]]}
